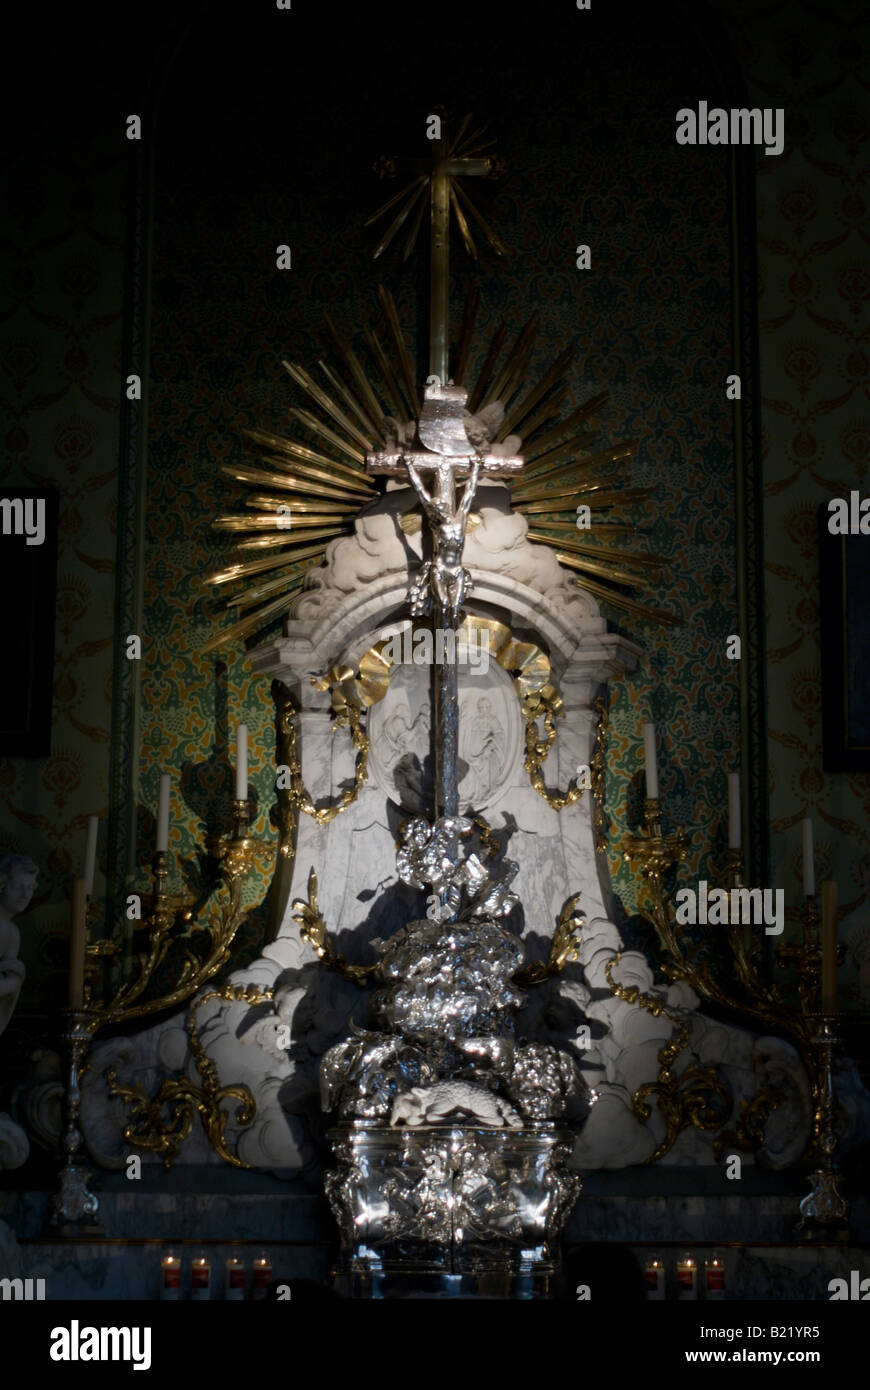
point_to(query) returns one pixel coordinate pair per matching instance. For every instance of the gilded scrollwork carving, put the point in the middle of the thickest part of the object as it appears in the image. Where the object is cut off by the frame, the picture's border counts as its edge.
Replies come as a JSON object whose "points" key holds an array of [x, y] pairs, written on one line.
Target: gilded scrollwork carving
{"points": [[564, 947], [749, 993], [540, 702], [152, 1129], [297, 795], [696, 1096], [545, 705], [748, 1134], [312, 929]]}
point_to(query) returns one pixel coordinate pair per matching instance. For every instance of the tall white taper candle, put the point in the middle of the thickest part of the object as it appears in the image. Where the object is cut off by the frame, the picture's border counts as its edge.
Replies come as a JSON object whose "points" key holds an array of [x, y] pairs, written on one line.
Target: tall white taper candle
{"points": [[91, 854], [733, 810], [829, 947], [242, 762], [163, 813], [649, 752], [809, 862], [78, 944]]}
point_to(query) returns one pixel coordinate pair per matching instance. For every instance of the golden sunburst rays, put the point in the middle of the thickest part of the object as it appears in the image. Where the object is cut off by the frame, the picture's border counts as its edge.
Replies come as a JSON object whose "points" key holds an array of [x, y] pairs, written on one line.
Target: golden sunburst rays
{"points": [[566, 470], [307, 488], [467, 154]]}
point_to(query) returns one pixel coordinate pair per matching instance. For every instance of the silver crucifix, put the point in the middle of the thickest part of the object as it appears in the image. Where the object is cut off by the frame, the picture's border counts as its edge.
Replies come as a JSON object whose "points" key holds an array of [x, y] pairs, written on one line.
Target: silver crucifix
{"points": [[442, 583]]}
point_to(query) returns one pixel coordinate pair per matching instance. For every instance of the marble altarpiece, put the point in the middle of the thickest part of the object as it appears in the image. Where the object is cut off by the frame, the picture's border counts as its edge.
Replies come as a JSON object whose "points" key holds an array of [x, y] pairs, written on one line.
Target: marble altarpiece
{"points": [[348, 718]]}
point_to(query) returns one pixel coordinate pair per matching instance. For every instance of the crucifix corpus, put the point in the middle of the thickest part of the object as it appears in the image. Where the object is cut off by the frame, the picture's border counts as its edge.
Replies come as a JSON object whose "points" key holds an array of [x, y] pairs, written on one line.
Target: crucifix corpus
{"points": [[446, 457]]}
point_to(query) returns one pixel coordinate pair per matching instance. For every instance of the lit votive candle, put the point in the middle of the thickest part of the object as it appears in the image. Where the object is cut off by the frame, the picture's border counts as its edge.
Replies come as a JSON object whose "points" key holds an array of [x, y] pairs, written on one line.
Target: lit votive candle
{"points": [[200, 1279], [687, 1277], [170, 1278], [235, 1282], [654, 1278], [714, 1276], [261, 1276]]}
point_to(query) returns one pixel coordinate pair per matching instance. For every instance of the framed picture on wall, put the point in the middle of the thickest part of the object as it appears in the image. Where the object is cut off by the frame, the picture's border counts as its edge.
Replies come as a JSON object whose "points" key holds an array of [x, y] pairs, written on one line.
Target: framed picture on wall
{"points": [[844, 575], [28, 583]]}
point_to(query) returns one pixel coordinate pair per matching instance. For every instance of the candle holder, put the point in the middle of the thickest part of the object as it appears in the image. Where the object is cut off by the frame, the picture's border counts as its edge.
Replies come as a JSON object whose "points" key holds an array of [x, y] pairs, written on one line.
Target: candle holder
{"points": [[744, 948], [751, 995], [806, 958], [74, 1208], [98, 955], [166, 913], [163, 914], [655, 853], [734, 868], [748, 993], [824, 1211], [236, 852]]}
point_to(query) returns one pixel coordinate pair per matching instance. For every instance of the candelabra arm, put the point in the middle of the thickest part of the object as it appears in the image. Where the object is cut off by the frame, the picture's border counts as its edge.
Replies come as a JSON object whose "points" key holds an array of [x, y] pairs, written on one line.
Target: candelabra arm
{"points": [[235, 855]]}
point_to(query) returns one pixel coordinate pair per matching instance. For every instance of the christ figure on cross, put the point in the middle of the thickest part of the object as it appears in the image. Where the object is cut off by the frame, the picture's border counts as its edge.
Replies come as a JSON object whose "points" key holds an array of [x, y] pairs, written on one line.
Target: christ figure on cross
{"points": [[444, 576]]}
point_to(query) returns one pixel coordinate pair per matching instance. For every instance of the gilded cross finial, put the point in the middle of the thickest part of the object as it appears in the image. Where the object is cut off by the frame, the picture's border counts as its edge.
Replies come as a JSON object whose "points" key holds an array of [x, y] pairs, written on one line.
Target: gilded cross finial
{"points": [[452, 159]]}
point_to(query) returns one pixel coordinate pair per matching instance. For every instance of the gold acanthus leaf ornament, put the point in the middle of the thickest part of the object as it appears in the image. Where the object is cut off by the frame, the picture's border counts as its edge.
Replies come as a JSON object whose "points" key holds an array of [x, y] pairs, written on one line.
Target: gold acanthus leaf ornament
{"points": [[312, 929], [564, 947], [306, 489]]}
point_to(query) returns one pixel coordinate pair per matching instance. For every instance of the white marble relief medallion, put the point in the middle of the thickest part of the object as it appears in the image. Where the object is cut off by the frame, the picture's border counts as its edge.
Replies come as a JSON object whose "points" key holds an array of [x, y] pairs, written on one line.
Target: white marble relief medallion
{"points": [[490, 738]]}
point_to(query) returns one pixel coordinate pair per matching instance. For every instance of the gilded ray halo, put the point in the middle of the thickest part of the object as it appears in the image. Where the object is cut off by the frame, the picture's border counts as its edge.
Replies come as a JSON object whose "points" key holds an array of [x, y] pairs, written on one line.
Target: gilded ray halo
{"points": [[321, 479], [308, 488]]}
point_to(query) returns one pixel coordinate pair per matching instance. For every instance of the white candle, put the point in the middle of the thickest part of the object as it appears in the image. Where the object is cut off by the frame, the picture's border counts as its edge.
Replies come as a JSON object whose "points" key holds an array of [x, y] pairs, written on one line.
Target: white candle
{"points": [[809, 862], [733, 810], [649, 751], [91, 854], [78, 944], [163, 814], [829, 947], [242, 762]]}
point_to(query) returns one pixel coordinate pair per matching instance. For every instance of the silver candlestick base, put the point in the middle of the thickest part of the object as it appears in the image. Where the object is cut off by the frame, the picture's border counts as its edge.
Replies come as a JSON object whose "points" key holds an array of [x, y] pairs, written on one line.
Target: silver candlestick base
{"points": [[824, 1211], [74, 1208]]}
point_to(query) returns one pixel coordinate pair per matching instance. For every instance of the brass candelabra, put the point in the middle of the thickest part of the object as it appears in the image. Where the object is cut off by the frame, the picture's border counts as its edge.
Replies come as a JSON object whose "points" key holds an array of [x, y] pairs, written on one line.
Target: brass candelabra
{"points": [[166, 918], [824, 1211], [754, 996]]}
